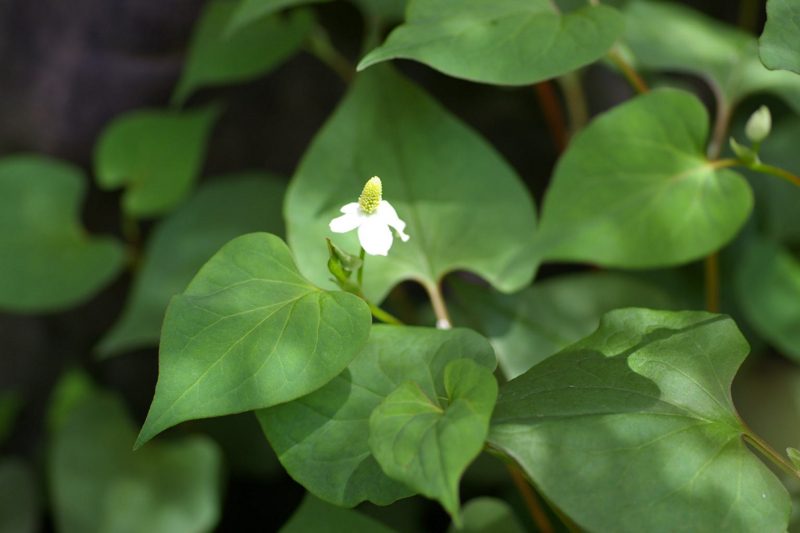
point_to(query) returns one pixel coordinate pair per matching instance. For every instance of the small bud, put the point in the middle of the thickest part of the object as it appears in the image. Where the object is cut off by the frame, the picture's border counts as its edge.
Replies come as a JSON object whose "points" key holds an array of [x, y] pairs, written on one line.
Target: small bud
{"points": [[759, 125], [371, 195], [341, 264], [745, 154]]}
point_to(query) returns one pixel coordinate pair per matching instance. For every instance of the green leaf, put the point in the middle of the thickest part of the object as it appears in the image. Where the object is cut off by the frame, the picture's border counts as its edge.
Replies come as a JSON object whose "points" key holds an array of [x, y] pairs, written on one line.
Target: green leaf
{"points": [[768, 286], [794, 455], [505, 42], [531, 325], [19, 498], [488, 515], [50, 262], [218, 56], [428, 441], [322, 439], [72, 389], [434, 171], [99, 485], [779, 45], [10, 404], [633, 429], [719, 53], [635, 190], [249, 333], [220, 211], [156, 155], [316, 515]]}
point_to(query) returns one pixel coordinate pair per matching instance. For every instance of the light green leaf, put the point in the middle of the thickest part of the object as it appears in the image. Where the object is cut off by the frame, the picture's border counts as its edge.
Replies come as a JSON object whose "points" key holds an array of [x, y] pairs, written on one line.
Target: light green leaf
{"points": [[249, 333], [721, 54], [156, 155], [768, 287], [635, 190], [505, 42], [779, 45], [220, 211], [531, 325], [633, 429], [50, 262], [19, 498], [98, 484], [434, 171], [488, 515], [428, 441], [322, 439], [218, 56], [316, 515]]}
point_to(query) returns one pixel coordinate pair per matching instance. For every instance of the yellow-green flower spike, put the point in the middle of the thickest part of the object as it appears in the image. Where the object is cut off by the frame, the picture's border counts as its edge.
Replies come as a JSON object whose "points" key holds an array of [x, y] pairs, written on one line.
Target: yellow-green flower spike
{"points": [[371, 195]]}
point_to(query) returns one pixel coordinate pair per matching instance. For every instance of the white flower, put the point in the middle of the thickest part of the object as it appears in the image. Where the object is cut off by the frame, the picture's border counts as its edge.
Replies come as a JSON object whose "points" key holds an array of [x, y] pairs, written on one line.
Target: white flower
{"points": [[372, 216]]}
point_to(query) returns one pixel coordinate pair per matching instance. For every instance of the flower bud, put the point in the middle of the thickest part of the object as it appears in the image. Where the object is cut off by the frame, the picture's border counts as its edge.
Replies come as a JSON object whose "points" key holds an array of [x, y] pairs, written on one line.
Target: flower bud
{"points": [[759, 125]]}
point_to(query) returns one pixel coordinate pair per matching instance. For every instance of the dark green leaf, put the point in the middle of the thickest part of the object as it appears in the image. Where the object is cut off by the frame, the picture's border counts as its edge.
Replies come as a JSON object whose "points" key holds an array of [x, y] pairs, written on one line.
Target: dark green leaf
{"points": [[314, 515], [220, 211], [19, 498], [434, 171], [249, 333], [635, 190], [633, 429], [506, 42], [428, 441], [488, 515], [322, 438], [218, 56], [49, 261], [156, 155], [780, 43]]}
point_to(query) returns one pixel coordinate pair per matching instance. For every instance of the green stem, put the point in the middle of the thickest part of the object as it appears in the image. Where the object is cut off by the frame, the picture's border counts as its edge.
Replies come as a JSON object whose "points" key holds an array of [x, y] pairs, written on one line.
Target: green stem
{"points": [[439, 306], [360, 274], [382, 315], [629, 72], [770, 453], [775, 171], [574, 100], [320, 46]]}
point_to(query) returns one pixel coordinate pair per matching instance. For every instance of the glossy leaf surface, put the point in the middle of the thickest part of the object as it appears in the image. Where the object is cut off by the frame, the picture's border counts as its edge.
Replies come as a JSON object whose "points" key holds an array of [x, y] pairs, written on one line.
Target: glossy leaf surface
{"points": [[633, 429], [317, 515], [249, 333], [779, 45]]}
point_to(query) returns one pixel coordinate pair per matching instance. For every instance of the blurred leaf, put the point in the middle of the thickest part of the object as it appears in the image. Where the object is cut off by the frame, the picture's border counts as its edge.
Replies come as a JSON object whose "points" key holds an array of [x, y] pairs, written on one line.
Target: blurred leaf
{"points": [[428, 441], [247, 452], [315, 515], [533, 324], [156, 155], [488, 515], [98, 484], [50, 262], [505, 42], [322, 439], [72, 389], [633, 429], [780, 42], [10, 404], [768, 287], [249, 333], [636, 190], [719, 53], [180, 245], [19, 498], [218, 56], [434, 171]]}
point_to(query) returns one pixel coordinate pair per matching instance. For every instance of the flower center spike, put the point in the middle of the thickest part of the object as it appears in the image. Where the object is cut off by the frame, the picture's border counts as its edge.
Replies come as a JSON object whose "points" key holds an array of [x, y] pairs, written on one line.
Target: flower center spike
{"points": [[371, 195]]}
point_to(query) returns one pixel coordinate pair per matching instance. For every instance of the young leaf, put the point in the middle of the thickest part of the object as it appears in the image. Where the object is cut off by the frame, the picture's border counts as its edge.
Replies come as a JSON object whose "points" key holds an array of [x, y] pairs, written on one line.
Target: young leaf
{"points": [[155, 155], [322, 439], [316, 515], [249, 333], [220, 211], [635, 189], [488, 515], [780, 43], [527, 327], [19, 498], [98, 484], [794, 455], [434, 171], [49, 261], [218, 57], [427, 442], [633, 429], [505, 42]]}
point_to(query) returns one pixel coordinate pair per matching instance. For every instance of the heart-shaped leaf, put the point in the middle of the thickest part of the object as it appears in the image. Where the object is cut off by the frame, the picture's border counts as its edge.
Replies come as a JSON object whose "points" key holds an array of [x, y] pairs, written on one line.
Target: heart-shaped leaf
{"points": [[176, 249], [19, 498], [426, 441], [49, 261], [249, 333], [322, 439], [434, 171], [779, 45], [156, 155], [635, 190], [633, 429], [505, 42]]}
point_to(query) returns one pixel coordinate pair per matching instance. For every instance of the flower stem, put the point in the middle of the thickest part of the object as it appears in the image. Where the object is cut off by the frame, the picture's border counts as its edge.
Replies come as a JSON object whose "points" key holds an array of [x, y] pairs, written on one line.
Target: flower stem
{"points": [[320, 46], [360, 274], [439, 306], [629, 72], [575, 101], [553, 115], [775, 171], [535, 508]]}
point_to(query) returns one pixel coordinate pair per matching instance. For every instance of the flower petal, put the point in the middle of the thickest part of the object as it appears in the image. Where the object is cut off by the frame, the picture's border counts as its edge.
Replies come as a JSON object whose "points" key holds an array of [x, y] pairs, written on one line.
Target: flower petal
{"points": [[346, 222], [389, 216], [352, 207], [375, 236]]}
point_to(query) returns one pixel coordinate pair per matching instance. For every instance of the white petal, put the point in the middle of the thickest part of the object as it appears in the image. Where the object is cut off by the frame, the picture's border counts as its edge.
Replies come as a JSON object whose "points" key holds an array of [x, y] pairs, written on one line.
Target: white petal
{"points": [[375, 236], [350, 208], [389, 216], [346, 222]]}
